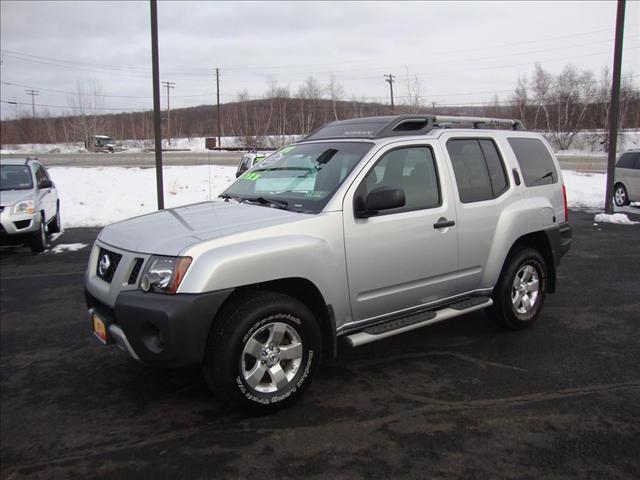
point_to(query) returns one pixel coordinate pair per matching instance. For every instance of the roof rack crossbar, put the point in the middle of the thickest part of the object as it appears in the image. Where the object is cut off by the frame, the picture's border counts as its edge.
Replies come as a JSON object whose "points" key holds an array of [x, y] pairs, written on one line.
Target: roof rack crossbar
{"points": [[478, 122]]}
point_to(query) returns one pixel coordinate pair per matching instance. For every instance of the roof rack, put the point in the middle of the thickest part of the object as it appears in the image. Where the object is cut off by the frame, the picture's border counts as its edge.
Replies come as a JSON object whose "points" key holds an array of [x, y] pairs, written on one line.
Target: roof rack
{"points": [[391, 126], [476, 122]]}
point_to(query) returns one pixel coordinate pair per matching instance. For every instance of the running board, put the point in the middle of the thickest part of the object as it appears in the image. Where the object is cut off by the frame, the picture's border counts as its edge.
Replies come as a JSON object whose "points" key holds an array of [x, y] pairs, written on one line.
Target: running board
{"points": [[417, 320]]}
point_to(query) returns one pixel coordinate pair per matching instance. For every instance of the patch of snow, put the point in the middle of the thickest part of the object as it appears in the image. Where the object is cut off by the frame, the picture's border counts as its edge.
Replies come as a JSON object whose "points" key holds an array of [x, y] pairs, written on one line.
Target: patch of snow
{"points": [[56, 236], [98, 196], [71, 247], [584, 190], [617, 218]]}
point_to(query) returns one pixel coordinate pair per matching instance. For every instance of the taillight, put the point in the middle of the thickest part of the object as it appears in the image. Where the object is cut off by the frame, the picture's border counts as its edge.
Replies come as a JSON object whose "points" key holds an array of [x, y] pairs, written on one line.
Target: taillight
{"points": [[566, 208]]}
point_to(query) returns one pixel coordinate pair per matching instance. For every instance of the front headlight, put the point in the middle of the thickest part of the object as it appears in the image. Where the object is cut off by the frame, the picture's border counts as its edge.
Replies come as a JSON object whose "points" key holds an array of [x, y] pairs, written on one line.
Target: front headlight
{"points": [[26, 206], [164, 274]]}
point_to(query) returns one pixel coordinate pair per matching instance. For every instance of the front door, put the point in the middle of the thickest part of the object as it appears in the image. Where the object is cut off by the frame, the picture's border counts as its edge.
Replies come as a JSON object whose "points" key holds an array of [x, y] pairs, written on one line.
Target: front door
{"points": [[399, 259]]}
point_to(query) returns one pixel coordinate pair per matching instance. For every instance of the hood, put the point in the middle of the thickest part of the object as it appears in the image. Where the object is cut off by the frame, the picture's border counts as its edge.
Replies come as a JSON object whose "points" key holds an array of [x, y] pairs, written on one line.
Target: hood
{"points": [[168, 232], [11, 197]]}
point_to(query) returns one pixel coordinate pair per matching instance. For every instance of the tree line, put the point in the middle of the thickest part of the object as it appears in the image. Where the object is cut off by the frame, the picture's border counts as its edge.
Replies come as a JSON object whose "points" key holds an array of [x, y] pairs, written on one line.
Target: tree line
{"points": [[559, 105]]}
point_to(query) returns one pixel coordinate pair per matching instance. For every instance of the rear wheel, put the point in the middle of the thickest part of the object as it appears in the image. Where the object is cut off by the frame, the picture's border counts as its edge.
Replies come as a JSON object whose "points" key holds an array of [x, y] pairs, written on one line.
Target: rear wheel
{"points": [[620, 196], [39, 241], [520, 292], [262, 352]]}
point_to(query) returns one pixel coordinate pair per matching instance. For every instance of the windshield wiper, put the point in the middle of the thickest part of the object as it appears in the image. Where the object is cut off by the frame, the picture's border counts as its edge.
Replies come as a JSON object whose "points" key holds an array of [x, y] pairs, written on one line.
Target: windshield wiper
{"points": [[226, 197], [268, 201]]}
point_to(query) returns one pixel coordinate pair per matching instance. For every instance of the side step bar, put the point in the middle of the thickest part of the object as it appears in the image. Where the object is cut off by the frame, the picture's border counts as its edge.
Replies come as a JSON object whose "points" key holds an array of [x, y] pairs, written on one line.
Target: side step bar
{"points": [[417, 320]]}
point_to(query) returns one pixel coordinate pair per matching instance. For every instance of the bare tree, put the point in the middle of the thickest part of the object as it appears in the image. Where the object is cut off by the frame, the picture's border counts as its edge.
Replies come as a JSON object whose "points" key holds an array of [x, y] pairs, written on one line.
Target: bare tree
{"points": [[414, 101], [336, 92], [520, 99], [573, 91], [86, 105], [541, 84], [308, 97]]}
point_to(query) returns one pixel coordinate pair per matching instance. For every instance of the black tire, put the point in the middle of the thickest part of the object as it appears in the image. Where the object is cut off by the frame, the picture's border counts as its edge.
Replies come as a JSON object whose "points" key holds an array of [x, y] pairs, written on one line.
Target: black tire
{"points": [[54, 225], [519, 315], [253, 318], [39, 240], [620, 195]]}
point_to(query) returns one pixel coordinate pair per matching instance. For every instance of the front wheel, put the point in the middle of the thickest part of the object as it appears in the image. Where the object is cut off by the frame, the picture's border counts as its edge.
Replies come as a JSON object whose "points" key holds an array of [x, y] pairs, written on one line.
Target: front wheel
{"points": [[55, 225], [262, 352], [620, 196], [39, 240], [520, 292]]}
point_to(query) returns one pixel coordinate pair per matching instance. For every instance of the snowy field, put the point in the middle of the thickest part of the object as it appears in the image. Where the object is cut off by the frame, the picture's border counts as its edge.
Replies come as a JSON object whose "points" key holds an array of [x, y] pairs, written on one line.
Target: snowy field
{"points": [[100, 196], [103, 195]]}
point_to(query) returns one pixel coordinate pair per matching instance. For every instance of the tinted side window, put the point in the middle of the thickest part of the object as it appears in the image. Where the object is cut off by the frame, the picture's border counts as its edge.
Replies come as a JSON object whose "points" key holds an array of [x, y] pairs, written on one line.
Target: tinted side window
{"points": [[470, 169], [627, 160], [412, 169], [637, 161], [535, 161], [497, 173]]}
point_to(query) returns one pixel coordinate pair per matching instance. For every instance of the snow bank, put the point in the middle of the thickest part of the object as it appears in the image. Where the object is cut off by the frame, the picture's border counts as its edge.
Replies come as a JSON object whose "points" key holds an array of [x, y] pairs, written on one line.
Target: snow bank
{"points": [[617, 218], [99, 196], [584, 190]]}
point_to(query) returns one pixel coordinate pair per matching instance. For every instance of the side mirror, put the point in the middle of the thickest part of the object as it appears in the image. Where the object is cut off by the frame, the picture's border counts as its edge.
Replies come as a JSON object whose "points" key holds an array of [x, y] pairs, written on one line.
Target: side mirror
{"points": [[45, 183], [380, 199]]}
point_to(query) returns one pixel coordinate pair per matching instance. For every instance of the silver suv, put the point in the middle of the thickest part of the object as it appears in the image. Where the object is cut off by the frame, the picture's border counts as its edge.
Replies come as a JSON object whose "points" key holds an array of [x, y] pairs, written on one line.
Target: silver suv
{"points": [[29, 205], [627, 179], [365, 229]]}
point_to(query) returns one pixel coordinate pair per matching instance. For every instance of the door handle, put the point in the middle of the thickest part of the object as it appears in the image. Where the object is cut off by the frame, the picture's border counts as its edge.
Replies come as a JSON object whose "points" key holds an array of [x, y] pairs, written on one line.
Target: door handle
{"points": [[443, 223]]}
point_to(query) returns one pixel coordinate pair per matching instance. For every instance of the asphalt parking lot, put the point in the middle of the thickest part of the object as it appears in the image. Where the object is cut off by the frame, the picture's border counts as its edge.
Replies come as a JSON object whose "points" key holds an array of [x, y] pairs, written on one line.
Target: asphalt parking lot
{"points": [[460, 399]]}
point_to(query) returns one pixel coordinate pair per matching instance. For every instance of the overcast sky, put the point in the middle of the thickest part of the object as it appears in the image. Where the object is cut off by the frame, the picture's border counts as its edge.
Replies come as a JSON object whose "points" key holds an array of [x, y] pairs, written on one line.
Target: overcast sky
{"points": [[461, 52]]}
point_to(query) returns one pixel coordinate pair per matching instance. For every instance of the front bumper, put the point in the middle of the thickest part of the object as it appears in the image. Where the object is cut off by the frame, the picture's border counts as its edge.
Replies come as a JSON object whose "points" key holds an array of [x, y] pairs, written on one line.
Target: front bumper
{"points": [[24, 224], [168, 330]]}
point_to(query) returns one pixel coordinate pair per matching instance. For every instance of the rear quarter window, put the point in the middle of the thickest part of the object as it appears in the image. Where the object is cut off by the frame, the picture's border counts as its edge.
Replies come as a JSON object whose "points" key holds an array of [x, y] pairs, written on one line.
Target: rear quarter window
{"points": [[535, 161], [627, 160]]}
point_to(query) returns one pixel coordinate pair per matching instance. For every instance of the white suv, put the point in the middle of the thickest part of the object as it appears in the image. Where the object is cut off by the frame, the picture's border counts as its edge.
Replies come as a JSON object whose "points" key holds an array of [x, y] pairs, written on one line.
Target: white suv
{"points": [[365, 229], [29, 205]]}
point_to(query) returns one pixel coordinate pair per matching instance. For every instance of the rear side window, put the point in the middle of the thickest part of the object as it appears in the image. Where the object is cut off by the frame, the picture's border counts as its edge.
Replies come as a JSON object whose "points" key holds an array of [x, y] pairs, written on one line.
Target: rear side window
{"points": [[478, 169], [535, 161], [627, 160]]}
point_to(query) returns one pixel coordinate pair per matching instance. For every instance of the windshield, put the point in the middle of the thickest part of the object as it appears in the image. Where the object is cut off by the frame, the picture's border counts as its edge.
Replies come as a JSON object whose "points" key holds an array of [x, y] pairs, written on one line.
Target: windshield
{"points": [[299, 177], [15, 177]]}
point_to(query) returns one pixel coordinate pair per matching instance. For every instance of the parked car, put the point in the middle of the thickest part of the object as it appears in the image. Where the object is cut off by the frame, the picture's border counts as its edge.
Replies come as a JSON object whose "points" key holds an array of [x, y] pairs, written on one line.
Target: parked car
{"points": [[365, 229], [29, 204], [249, 160], [102, 143], [627, 178]]}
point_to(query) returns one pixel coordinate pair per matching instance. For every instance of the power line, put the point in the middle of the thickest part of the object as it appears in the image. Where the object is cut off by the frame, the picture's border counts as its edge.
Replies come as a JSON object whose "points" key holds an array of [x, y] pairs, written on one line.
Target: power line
{"points": [[195, 72]]}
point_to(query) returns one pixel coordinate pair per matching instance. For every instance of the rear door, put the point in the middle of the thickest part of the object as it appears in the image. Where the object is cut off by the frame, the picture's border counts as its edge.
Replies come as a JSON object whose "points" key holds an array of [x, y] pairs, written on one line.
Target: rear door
{"points": [[398, 260], [482, 187]]}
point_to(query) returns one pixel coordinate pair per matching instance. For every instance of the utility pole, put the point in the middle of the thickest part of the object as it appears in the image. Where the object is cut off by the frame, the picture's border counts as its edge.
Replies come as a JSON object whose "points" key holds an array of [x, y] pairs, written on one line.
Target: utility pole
{"points": [[218, 102], [33, 93], [615, 107], [169, 85], [390, 80], [157, 126]]}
